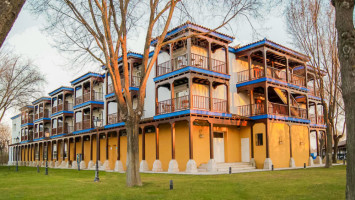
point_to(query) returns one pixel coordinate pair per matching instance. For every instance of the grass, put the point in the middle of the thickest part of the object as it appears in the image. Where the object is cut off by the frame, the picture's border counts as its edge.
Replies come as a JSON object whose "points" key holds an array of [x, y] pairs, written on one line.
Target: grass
{"points": [[312, 183]]}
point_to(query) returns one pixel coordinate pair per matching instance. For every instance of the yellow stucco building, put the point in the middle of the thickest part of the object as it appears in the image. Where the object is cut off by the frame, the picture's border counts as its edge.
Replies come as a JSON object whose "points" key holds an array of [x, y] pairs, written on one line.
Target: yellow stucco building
{"points": [[209, 107]]}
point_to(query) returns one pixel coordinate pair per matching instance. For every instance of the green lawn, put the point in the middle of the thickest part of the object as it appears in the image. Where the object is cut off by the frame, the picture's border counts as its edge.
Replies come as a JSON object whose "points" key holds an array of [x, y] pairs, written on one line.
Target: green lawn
{"points": [[315, 183]]}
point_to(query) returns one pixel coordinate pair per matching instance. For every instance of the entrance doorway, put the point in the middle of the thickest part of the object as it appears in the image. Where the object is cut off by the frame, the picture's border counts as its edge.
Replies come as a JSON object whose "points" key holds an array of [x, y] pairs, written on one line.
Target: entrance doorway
{"points": [[218, 146], [245, 149]]}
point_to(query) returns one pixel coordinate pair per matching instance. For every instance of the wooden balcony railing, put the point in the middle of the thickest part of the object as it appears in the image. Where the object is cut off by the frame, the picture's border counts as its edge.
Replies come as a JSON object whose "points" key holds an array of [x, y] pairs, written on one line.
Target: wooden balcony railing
{"points": [[298, 112], [314, 92], [95, 96], [112, 118], [257, 109], [219, 105], [313, 118], [320, 119], [256, 72], [68, 129], [78, 126], [196, 61], [86, 124], [276, 73], [278, 109], [298, 80], [54, 131], [198, 102], [45, 114]]}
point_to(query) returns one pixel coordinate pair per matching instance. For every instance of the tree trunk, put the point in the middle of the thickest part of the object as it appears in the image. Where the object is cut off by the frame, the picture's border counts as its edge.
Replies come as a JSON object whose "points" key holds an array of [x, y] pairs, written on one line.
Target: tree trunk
{"points": [[9, 10], [328, 147], [132, 174], [335, 149], [346, 48]]}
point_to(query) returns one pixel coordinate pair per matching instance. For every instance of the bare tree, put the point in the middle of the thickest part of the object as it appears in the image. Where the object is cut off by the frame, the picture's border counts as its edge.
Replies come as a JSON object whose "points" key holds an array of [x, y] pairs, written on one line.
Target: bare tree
{"points": [[5, 137], [311, 24], [99, 30], [344, 10], [9, 10], [20, 82]]}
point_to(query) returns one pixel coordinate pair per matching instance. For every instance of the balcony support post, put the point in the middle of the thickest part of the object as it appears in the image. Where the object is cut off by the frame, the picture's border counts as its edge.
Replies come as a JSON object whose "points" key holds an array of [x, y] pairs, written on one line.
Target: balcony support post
{"points": [[227, 58], [316, 111], [289, 102], [82, 148], [118, 146], [188, 45], [307, 107], [143, 143], [306, 74], [251, 91], [317, 143], [63, 147], [74, 122], [90, 147], [191, 146], [211, 141], [52, 158], [74, 139], [171, 57], [82, 119], [210, 107], [91, 90], [68, 156], [172, 126], [172, 97], [106, 147], [209, 54], [266, 99], [157, 142], [97, 148], [228, 98], [249, 66], [265, 61], [287, 70], [314, 86], [91, 117], [131, 64], [156, 100]]}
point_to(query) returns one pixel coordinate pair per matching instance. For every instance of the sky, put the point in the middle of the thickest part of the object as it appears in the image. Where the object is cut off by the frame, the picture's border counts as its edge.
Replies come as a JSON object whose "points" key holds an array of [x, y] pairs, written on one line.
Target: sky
{"points": [[28, 39]]}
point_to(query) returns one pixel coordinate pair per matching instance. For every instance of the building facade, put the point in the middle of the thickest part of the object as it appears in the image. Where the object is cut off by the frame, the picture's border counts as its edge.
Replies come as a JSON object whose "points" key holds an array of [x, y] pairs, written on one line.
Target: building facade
{"points": [[208, 106]]}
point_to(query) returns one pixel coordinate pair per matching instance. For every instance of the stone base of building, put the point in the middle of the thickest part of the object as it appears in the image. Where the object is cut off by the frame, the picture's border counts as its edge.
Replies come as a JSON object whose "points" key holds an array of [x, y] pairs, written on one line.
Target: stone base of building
{"points": [[143, 167], [57, 164], [157, 166], [106, 165], [91, 165], [191, 166], [173, 166], [268, 164], [51, 164], [318, 160], [118, 166], [211, 165], [74, 165], [310, 162], [82, 165], [292, 163], [252, 162]]}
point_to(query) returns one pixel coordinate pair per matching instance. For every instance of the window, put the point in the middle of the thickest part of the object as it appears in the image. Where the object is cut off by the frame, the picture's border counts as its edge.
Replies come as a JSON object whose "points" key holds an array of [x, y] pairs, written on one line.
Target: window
{"points": [[259, 139]]}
